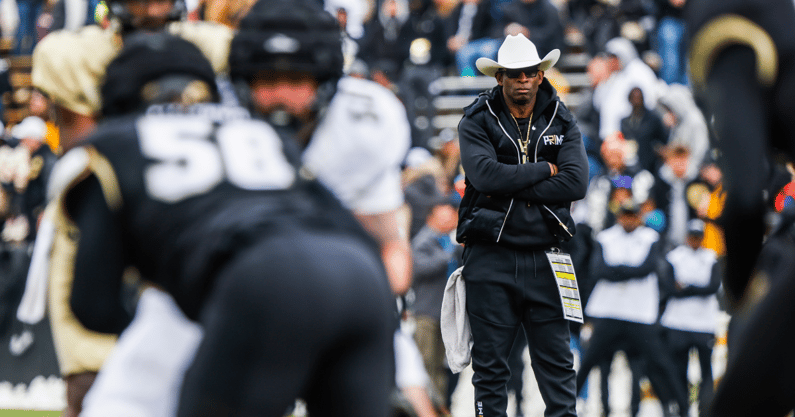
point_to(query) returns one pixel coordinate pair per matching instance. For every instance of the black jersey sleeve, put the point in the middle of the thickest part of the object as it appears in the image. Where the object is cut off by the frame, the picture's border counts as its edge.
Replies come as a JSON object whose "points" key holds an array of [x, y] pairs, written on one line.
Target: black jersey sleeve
{"points": [[99, 264], [740, 108]]}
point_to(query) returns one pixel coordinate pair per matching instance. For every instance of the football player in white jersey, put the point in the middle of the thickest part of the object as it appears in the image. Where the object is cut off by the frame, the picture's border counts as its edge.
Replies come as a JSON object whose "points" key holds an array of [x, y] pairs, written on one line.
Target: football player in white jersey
{"points": [[354, 134]]}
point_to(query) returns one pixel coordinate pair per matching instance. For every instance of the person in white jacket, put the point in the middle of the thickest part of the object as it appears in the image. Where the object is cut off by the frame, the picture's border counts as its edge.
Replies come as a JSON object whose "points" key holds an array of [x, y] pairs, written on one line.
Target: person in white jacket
{"points": [[627, 72], [624, 304], [691, 278]]}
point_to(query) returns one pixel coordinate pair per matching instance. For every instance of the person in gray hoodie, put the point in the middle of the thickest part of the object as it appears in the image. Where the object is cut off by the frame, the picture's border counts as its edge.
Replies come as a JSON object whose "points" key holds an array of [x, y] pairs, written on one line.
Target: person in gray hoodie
{"points": [[686, 124]]}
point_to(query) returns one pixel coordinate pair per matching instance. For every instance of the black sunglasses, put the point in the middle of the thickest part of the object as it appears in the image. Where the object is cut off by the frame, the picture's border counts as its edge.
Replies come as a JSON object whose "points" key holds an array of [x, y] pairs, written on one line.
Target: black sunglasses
{"points": [[516, 73]]}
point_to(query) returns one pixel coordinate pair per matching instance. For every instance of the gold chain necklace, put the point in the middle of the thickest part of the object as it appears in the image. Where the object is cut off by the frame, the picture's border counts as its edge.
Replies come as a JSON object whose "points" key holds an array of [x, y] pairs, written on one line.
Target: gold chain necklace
{"points": [[524, 143]]}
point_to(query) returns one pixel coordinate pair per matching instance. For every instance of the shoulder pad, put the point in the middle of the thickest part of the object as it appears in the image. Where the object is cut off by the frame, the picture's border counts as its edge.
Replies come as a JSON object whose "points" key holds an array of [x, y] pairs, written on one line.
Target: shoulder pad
{"points": [[66, 171], [727, 30]]}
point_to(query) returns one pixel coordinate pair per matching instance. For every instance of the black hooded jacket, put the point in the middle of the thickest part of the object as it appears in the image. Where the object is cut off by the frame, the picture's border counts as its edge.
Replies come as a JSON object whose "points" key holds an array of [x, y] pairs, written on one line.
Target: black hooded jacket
{"points": [[520, 205]]}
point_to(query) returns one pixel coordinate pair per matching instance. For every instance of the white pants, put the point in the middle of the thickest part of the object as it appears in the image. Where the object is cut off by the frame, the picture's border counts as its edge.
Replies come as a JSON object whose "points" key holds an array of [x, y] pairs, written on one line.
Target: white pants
{"points": [[409, 368], [143, 375]]}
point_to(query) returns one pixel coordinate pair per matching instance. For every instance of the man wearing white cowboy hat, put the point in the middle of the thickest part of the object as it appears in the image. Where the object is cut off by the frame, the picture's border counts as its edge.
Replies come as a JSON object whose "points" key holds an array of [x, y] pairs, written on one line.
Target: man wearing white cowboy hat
{"points": [[525, 163]]}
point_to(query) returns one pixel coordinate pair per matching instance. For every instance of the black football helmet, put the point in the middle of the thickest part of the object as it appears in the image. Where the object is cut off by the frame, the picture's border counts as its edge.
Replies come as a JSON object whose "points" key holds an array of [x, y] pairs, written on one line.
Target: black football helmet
{"points": [[118, 9], [288, 36], [285, 35], [155, 68]]}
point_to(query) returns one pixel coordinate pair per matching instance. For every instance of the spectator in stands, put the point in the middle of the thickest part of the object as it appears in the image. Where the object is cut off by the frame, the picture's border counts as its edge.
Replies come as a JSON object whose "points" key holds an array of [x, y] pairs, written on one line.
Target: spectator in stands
{"points": [[31, 135], [423, 177], [72, 15], [672, 41], [686, 124], [670, 194], [619, 177], [355, 13], [446, 149], [350, 48], [386, 42], [645, 129], [599, 21], [26, 37], [436, 255], [14, 173], [691, 278], [39, 105], [710, 206], [539, 20], [225, 12], [471, 34], [428, 48], [5, 87], [627, 71]]}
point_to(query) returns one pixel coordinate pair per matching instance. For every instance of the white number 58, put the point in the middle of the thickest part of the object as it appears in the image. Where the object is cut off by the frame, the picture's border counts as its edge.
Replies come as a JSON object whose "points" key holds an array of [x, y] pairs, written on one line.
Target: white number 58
{"points": [[247, 153]]}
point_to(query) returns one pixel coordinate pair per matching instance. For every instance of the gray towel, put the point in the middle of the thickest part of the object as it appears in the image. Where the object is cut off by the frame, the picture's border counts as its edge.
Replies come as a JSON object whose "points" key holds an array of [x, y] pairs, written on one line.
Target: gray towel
{"points": [[456, 334]]}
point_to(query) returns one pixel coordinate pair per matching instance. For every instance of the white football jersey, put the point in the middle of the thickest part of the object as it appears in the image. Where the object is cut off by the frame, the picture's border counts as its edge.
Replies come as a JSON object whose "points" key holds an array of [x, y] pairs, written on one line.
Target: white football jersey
{"points": [[358, 149]]}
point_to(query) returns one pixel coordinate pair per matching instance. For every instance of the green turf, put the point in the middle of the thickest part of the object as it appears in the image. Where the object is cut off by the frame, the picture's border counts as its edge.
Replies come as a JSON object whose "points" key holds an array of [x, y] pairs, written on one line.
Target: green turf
{"points": [[28, 413]]}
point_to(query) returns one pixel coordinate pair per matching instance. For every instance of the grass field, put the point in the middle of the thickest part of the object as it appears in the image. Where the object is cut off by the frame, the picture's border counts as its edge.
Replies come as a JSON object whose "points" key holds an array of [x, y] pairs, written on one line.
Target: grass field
{"points": [[27, 413]]}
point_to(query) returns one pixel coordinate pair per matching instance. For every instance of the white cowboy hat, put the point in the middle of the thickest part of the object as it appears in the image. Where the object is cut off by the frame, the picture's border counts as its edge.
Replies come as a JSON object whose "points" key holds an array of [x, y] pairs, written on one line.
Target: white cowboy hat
{"points": [[517, 52]]}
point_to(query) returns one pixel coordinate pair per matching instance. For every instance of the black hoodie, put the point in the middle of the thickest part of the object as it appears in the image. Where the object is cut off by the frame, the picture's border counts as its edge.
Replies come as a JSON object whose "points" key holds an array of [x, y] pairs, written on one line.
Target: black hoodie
{"points": [[515, 204]]}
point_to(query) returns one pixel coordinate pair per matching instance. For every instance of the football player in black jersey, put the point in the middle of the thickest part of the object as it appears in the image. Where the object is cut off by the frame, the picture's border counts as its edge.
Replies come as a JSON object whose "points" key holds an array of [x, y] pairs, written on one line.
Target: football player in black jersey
{"points": [[742, 59], [68, 67], [207, 204]]}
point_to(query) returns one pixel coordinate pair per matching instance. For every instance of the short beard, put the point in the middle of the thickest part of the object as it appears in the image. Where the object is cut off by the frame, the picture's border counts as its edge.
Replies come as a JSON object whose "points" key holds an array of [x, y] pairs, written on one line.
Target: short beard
{"points": [[521, 101]]}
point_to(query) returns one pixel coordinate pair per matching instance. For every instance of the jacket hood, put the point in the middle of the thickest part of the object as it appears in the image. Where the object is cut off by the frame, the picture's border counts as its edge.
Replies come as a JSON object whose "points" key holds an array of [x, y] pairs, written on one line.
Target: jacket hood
{"points": [[546, 95], [679, 100]]}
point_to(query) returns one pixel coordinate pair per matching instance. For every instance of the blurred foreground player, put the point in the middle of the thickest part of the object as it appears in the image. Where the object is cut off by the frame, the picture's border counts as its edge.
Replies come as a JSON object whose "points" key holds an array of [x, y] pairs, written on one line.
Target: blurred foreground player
{"points": [[68, 68], [742, 58], [206, 204], [286, 63]]}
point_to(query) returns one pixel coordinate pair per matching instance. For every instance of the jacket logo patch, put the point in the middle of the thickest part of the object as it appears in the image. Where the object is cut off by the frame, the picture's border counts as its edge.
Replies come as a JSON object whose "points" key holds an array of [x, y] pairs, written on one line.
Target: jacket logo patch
{"points": [[553, 139]]}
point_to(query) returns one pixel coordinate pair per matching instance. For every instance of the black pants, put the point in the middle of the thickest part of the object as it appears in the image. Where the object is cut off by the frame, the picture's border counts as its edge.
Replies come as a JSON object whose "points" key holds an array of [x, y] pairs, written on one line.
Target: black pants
{"points": [[637, 369], [679, 344], [303, 315], [642, 338], [508, 289]]}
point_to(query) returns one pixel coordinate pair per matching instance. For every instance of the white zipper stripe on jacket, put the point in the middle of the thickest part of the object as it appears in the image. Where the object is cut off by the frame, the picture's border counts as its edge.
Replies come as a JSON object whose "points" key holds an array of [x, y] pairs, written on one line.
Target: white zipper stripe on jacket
{"points": [[535, 159], [518, 155]]}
